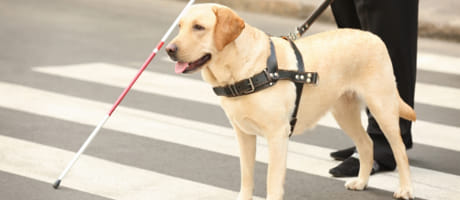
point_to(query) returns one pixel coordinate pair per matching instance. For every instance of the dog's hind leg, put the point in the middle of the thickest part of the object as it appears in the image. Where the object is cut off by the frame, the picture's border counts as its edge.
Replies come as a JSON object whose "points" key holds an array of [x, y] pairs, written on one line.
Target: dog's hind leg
{"points": [[385, 109], [247, 144], [347, 112]]}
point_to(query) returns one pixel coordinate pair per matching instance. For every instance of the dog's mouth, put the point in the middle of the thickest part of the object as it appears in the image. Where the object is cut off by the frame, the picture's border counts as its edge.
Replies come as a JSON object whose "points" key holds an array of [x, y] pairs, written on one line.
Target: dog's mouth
{"points": [[186, 67]]}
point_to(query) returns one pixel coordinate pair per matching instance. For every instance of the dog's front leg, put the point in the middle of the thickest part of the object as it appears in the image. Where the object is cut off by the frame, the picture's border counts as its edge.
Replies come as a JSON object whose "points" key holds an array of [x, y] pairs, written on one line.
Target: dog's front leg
{"points": [[277, 148], [247, 145]]}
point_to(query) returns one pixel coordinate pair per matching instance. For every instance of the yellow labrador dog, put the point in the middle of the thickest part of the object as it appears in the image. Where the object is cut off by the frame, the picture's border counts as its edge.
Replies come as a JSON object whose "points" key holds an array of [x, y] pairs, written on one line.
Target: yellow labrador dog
{"points": [[354, 68]]}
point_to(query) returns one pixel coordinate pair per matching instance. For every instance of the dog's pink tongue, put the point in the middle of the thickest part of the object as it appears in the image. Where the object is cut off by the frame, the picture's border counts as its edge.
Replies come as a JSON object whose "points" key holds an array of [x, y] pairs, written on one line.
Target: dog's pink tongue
{"points": [[180, 67]]}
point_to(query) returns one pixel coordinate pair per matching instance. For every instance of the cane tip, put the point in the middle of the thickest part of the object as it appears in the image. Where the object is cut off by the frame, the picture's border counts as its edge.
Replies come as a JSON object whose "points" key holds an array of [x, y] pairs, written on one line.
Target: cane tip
{"points": [[56, 184]]}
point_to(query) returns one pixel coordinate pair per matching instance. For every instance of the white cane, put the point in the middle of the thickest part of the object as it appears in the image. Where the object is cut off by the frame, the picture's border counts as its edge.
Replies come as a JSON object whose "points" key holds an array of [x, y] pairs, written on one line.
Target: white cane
{"points": [[120, 98]]}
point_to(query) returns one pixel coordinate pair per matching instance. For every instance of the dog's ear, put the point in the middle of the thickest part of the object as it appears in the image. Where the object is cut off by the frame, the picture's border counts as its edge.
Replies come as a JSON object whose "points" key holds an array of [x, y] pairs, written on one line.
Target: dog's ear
{"points": [[228, 26]]}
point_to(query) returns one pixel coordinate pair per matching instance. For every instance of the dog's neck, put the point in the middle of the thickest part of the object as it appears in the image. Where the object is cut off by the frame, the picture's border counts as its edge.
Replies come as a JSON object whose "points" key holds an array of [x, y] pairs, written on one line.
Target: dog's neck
{"points": [[240, 59]]}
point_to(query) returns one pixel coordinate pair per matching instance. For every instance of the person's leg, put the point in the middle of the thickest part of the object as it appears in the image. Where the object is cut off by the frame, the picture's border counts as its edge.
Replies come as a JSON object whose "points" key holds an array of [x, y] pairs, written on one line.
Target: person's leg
{"points": [[396, 23], [346, 16]]}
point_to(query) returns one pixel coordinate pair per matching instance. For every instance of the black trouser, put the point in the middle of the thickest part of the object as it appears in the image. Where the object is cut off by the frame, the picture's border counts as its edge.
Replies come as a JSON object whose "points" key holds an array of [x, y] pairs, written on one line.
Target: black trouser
{"points": [[396, 22]]}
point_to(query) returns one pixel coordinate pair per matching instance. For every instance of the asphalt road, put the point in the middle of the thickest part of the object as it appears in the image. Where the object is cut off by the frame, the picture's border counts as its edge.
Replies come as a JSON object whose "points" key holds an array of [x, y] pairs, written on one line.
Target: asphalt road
{"points": [[64, 62]]}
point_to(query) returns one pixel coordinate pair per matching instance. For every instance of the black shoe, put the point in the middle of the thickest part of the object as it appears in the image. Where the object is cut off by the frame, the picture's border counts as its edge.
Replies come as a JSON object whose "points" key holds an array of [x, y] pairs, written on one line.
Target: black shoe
{"points": [[350, 168], [343, 154]]}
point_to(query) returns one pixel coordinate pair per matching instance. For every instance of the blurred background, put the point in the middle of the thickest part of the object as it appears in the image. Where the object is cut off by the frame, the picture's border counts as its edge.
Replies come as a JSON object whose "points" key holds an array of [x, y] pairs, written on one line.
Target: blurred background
{"points": [[64, 62]]}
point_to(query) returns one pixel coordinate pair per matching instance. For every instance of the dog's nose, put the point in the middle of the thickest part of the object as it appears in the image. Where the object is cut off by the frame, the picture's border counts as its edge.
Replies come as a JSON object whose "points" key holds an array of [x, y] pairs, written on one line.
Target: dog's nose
{"points": [[171, 49]]}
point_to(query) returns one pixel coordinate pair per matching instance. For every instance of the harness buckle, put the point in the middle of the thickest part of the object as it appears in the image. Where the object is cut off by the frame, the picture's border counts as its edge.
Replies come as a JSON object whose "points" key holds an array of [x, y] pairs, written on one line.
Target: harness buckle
{"points": [[253, 88], [233, 90]]}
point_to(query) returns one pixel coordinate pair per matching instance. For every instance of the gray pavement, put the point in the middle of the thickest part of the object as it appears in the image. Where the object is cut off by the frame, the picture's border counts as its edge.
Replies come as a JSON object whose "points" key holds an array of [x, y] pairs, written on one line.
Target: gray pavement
{"points": [[61, 33]]}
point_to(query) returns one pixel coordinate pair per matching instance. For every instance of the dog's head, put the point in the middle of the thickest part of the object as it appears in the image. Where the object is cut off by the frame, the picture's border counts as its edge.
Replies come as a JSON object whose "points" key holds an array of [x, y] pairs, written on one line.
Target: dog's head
{"points": [[204, 31]]}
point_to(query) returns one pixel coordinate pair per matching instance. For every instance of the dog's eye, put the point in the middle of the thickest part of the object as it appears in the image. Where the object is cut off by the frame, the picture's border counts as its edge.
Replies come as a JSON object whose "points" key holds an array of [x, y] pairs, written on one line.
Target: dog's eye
{"points": [[198, 27]]}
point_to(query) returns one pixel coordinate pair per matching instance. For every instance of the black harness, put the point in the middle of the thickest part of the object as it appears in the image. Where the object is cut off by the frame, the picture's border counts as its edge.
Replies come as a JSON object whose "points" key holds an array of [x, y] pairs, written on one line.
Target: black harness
{"points": [[269, 76]]}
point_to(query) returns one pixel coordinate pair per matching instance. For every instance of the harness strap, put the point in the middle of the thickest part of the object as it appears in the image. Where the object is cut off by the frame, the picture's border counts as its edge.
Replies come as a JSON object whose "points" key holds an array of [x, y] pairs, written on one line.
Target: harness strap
{"points": [[269, 76], [260, 81], [299, 86]]}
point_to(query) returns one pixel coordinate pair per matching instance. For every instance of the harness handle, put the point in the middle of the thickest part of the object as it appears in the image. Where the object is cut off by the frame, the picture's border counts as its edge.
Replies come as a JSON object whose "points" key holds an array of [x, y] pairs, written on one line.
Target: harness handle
{"points": [[310, 20]]}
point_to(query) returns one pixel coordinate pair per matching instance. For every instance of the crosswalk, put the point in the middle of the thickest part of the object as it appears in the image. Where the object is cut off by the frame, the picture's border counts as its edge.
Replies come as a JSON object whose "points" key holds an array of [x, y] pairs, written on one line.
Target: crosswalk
{"points": [[110, 178], [163, 84]]}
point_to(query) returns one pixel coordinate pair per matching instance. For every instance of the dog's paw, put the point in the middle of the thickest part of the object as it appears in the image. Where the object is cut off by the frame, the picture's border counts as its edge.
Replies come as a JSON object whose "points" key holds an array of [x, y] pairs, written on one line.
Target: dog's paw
{"points": [[356, 184], [242, 196], [404, 193]]}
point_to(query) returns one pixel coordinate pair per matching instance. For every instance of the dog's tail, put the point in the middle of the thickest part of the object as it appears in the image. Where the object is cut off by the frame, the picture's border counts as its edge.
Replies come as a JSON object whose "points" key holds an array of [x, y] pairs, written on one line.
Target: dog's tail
{"points": [[406, 112]]}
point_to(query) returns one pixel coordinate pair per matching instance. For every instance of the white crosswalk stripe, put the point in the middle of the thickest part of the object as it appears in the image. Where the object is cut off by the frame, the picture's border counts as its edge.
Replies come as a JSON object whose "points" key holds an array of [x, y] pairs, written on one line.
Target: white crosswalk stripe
{"points": [[429, 184], [438, 63], [173, 86], [151, 82], [100, 177]]}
